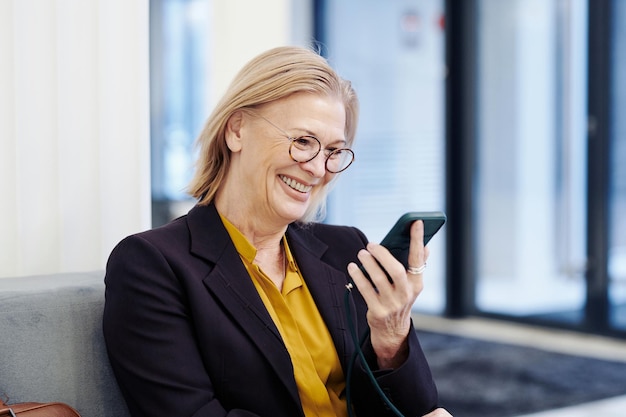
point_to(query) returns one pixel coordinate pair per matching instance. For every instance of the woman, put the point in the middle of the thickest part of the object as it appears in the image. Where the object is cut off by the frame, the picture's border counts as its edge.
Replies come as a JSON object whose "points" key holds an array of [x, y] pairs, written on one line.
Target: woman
{"points": [[240, 308]]}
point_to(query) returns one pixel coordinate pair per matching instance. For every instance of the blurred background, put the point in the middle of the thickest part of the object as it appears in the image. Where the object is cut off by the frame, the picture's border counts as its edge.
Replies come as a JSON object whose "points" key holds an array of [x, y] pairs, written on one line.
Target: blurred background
{"points": [[509, 115], [538, 212]]}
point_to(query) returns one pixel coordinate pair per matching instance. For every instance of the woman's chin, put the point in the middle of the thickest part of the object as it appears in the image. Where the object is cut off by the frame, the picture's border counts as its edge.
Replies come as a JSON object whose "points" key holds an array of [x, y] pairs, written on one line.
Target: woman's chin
{"points": [[292, 212]]}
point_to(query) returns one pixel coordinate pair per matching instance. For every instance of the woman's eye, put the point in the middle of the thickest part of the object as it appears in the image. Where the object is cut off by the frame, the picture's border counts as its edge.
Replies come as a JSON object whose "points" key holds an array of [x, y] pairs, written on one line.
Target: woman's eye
{"points": [[304, 142]]}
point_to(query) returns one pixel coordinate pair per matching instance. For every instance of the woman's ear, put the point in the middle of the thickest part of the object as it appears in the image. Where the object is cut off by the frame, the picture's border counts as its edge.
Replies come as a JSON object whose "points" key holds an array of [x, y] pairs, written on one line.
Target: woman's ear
{"points": [[233, 131]]}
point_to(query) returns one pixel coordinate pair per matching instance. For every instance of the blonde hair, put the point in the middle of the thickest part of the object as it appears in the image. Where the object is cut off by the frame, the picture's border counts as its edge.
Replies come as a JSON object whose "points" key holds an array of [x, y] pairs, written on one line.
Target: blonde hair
{"points": [[270, 76]]}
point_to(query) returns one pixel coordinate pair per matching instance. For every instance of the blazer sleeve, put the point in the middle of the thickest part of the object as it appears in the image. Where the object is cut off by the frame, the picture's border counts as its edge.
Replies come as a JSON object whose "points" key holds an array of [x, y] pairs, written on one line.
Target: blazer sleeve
{"points": [[409, 387], [149, 338]]}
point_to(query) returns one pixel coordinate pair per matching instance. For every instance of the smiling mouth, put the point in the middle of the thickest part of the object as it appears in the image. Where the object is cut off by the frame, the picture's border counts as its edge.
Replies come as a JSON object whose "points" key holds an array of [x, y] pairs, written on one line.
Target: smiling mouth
{"points": [[296, 185]]}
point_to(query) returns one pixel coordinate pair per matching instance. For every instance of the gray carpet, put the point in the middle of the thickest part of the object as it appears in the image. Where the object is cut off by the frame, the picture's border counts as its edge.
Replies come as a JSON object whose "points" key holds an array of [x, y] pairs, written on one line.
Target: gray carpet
{"points": [[479, 378]]}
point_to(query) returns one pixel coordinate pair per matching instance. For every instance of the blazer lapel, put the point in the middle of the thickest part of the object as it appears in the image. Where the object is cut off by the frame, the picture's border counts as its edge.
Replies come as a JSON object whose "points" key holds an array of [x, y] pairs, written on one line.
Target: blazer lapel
{"points": [[228, 281], [326, 283], [231, 286]]}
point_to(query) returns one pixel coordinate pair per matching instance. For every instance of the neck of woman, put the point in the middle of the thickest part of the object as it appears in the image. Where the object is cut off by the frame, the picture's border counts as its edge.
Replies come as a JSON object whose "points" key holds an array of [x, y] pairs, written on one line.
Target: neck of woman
{"points": [[273, 263]]}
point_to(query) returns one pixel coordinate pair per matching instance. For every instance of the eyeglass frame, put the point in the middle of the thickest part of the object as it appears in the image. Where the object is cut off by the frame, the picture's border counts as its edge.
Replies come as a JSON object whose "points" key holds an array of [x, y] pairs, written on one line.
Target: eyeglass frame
{"points": [[292, 140]]}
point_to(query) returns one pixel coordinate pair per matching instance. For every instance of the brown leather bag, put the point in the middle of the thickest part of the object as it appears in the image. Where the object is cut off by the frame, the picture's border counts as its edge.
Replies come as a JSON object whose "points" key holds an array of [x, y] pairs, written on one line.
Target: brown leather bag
{"points": [[53, 409]]}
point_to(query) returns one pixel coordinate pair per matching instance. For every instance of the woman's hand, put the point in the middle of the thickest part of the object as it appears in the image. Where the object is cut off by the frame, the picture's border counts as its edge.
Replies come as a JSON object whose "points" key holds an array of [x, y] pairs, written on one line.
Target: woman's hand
{"points": [[440, 412], [389, 303]]}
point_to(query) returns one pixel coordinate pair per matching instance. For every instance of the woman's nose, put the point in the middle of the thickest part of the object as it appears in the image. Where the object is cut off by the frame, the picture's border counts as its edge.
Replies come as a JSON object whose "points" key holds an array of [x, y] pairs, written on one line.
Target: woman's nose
{"points": [[316, 166]]}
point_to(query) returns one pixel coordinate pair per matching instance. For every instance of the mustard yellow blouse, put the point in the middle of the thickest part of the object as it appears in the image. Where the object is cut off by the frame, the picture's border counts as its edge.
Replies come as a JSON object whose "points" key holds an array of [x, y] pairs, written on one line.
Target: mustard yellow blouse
{"points": [[316, 365]]}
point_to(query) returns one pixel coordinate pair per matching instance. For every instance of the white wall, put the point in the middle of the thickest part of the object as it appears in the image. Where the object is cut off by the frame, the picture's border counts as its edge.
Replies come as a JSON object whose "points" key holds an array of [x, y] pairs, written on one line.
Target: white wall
{"points": [[74, 131], [245, 28], [74, 118]]}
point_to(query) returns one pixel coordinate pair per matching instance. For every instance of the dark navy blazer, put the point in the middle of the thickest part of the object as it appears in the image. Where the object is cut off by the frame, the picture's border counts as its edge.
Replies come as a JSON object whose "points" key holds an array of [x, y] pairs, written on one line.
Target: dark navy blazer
{"points": [[188, 335]]}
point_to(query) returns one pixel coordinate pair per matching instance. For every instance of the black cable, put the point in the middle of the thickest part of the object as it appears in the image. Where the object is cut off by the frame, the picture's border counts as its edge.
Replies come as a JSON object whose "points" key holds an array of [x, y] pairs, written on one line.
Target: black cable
{"points": [[359, 352], [353, 358]]}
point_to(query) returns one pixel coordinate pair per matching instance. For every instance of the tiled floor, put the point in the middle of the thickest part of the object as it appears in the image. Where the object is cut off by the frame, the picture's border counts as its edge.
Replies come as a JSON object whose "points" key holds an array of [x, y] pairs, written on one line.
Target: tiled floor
{"points": [[548, 339]]}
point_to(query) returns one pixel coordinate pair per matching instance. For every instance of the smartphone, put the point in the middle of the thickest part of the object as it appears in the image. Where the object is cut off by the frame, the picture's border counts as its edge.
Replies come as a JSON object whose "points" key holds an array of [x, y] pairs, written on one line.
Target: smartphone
{"points": [[398, 238]]}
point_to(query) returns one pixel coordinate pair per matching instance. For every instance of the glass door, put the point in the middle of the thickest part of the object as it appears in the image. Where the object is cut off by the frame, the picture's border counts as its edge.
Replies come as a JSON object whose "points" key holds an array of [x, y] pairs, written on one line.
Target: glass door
{"points": [[179, 34], [617, 190], [531, 159], [550, 185]]}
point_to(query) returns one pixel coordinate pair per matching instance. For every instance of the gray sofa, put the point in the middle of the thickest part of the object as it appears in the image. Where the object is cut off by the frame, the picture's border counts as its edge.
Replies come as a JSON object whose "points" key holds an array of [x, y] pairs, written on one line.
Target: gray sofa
{"points": [[51, 343]]}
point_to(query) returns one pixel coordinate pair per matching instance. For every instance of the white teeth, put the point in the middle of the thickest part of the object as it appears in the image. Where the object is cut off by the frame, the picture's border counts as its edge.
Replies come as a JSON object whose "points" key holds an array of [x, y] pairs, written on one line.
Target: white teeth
{"points": [[296, 185]]}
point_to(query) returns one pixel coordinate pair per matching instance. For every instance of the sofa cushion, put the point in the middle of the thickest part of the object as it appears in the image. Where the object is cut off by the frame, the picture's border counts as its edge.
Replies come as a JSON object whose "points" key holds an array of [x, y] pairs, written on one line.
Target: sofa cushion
{"points": [[51, 343]]}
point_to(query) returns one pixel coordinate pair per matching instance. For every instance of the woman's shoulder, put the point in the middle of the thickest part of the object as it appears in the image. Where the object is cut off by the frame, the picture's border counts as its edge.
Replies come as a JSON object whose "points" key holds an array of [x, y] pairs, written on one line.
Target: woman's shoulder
{"points": [[174, 229], [179, 230], [156, 239]]}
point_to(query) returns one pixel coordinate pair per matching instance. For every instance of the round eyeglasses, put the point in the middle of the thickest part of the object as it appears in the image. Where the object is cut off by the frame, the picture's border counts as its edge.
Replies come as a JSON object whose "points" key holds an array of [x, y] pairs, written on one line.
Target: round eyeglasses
{"points": [[306, 148]]}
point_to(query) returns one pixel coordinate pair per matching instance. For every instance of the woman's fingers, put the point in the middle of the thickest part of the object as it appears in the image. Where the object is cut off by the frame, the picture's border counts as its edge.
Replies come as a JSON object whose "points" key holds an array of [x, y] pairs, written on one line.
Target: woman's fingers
{"points": [[418, 253]]}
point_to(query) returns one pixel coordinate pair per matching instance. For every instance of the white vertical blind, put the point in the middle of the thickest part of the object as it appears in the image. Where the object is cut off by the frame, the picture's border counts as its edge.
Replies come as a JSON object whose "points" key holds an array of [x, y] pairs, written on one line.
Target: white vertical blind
{"points": [[74, 131]]}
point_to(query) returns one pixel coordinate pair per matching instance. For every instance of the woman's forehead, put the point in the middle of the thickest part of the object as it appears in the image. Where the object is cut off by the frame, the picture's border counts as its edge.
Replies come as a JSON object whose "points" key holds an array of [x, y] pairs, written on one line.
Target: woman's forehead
{"points": [[313, 114]]}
